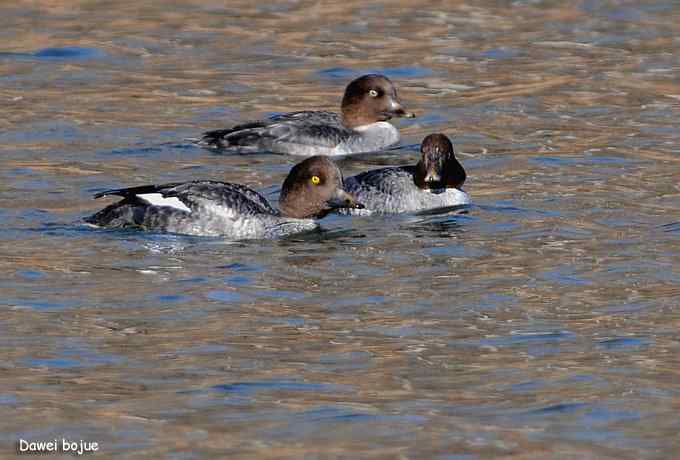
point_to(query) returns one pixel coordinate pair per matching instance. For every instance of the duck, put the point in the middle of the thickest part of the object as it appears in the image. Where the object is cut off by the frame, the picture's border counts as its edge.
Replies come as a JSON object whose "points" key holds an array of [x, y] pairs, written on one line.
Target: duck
{"points": [[312, 189], [434, 182], [361, 126]]}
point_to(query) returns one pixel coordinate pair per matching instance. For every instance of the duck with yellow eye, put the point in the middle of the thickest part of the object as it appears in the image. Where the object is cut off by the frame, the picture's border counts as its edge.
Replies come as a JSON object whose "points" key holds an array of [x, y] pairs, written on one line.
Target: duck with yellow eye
{"points": [[313, 188], [316, 190]]}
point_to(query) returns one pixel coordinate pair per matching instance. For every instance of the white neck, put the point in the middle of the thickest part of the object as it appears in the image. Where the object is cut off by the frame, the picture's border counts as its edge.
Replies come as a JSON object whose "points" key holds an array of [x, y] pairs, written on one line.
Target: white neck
{"points": [[378, 135]]}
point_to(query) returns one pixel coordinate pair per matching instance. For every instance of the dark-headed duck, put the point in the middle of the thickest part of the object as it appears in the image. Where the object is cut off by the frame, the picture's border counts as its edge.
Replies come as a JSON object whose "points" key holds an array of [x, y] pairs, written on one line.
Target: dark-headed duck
{"points": [[435, 182], [312, 189], [362, 126]]}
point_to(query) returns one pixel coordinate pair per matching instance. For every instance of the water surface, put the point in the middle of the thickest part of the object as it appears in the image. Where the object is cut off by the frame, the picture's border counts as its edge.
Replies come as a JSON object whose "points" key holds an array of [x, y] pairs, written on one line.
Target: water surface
{"points": [[541, 324]]}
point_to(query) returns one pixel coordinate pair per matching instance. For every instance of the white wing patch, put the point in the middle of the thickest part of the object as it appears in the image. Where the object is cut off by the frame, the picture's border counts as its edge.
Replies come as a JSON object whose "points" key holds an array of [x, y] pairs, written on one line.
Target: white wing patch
{"points": [[156, 199]]}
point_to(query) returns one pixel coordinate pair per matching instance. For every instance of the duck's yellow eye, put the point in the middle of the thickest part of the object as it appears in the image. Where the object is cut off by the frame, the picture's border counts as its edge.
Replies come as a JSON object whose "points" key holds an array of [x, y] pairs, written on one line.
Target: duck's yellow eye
{"points": [[316, 180]]}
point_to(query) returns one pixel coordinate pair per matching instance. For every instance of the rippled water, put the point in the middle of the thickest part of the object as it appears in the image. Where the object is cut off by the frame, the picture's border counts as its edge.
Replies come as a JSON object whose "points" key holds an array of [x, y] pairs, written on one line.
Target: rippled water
{"points": [[541, 324]]}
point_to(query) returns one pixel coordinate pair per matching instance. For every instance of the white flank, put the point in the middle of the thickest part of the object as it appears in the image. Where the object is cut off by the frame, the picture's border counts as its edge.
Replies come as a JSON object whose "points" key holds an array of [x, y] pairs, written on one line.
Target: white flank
{"points": [[156, 199]]}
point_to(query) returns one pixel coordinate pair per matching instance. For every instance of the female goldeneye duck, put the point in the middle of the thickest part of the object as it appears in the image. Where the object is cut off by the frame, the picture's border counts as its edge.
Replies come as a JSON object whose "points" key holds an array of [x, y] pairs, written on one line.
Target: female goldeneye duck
{"points": [[312, 189], [435, 182], [362, 126]]}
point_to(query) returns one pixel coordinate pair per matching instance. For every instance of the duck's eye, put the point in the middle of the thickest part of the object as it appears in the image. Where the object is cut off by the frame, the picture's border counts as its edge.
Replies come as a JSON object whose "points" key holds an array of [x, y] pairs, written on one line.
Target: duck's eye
{"points": [[316, 180], [373, 93]]}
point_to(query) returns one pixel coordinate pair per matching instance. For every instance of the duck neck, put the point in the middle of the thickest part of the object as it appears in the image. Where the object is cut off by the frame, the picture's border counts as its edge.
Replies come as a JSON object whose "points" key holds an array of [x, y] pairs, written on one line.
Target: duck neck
{"points": [[297, 208], [353, 117]]}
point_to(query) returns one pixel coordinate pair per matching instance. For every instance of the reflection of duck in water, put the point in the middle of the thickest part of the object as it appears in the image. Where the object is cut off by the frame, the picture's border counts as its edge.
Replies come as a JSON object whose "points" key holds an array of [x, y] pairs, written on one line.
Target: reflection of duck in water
{"points": [[312, 189], [435, 182], [368, 103]]}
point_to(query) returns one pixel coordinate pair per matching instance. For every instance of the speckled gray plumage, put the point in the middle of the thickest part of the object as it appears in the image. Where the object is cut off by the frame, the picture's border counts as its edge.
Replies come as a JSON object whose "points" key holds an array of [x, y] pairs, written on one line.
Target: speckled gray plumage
{"points": [[321, 129], [392, 190], [304, 134]]}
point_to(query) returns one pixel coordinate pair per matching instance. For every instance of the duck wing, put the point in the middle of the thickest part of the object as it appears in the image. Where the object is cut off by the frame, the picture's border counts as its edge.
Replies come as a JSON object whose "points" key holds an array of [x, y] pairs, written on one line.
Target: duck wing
{"points": [[188, 196], [388, 181], [316, 128]]}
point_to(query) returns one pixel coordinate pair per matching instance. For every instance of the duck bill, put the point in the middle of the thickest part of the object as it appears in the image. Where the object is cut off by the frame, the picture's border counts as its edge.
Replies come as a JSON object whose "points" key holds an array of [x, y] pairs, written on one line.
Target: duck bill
{"points": [[397, 110], [432, 177], [433, 174], [342, 199], [433, 180]]}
